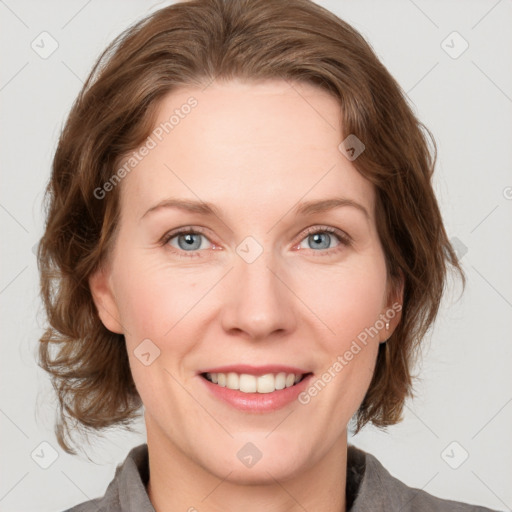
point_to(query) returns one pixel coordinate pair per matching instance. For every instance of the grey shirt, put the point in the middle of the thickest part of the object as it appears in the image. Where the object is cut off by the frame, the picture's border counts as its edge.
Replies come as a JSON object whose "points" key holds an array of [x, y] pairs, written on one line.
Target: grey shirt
{"points": [[370, 487]]}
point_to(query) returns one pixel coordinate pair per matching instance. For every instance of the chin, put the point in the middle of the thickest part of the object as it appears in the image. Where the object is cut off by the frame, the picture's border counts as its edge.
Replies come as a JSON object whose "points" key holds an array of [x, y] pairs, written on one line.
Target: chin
{"points": [[261, 473]]}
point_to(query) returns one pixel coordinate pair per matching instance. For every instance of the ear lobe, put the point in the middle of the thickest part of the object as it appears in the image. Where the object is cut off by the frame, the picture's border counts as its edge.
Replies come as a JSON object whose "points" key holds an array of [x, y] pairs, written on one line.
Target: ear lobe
{"points": [[105, 301]]}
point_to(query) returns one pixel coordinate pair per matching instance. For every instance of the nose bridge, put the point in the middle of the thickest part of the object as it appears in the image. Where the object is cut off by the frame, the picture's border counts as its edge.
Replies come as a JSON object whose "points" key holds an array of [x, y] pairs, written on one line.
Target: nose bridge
{"points": [[257, 300], [257, 278]]}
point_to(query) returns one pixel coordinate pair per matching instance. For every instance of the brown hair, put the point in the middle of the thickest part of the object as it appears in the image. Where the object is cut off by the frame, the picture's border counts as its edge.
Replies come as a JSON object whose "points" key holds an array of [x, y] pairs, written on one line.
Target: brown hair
{"points": [[193, 43]]}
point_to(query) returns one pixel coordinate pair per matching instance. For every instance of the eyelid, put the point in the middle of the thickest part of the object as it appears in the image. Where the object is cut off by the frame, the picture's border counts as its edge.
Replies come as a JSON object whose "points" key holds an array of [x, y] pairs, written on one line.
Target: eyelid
{"points": [[178, 231]]}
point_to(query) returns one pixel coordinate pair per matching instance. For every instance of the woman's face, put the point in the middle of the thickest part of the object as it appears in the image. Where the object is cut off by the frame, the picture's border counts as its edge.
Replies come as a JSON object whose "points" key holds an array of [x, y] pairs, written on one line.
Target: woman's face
{"points": [[261, 281]]}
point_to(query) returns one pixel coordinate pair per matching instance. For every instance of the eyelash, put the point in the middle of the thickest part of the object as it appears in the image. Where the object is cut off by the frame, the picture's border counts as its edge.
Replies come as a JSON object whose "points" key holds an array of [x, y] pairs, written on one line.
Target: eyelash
{"points": [[344, 239]]}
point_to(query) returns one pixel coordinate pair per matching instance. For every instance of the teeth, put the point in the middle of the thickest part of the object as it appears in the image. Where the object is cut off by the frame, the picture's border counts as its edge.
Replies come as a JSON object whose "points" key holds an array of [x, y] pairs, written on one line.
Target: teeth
{"points": [[251, 384], [245, 383]]}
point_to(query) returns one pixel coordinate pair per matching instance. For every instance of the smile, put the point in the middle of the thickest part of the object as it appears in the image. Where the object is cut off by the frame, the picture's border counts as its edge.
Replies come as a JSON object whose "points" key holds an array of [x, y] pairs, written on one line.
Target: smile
{"points": [[247, 383]]}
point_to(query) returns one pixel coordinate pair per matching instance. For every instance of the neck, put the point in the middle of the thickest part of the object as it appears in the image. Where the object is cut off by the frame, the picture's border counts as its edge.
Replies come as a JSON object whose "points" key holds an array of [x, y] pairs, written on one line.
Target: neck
{"points": [[177, 482]]}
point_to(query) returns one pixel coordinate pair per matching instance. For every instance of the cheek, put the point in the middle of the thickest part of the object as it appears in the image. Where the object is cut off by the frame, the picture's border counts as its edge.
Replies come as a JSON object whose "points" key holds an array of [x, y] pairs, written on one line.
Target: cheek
{"points": [[151, 296], [153, 302], [348, 298]]}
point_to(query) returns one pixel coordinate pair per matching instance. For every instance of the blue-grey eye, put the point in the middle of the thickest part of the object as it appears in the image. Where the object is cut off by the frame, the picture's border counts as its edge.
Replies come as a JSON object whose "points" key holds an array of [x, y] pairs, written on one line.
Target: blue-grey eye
{"points": [[188, 241], [320, 239]]}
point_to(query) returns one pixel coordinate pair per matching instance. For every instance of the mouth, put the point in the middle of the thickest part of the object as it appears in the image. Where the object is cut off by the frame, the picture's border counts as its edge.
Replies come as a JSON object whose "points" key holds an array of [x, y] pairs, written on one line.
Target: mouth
{"points": [[256, 389], [249, 383]]}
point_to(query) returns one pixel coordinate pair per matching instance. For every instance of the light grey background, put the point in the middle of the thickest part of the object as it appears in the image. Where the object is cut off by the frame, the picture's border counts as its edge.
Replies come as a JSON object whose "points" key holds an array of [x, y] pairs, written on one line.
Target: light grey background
{"points": [[465, 391]]}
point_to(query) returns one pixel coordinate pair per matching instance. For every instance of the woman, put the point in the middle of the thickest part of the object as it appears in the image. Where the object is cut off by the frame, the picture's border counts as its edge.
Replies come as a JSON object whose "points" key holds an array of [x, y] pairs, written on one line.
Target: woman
{"points": [[242, 237]]}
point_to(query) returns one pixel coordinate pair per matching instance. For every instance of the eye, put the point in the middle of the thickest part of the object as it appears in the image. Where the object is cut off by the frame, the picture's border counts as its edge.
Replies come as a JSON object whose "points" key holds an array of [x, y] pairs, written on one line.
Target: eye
{"points": [[186, 240], [323, 237]]}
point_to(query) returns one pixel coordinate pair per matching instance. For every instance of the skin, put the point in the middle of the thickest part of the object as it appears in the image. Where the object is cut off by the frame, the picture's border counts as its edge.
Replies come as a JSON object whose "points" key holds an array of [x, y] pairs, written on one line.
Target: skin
{"points": [[255, 150]]}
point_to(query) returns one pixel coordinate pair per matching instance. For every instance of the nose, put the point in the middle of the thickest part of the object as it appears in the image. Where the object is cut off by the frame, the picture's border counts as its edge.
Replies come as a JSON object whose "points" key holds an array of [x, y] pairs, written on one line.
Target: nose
{"points": [[257, 299]]}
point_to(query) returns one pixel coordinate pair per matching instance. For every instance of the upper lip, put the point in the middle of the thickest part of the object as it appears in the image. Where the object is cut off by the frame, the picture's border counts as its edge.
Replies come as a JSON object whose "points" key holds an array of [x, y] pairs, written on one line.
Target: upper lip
{"points": [[255, 370]]}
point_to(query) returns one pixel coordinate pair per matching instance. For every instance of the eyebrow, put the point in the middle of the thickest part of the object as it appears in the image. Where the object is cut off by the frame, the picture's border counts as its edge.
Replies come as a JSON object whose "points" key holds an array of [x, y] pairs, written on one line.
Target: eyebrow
{"points": [[304, 208]]}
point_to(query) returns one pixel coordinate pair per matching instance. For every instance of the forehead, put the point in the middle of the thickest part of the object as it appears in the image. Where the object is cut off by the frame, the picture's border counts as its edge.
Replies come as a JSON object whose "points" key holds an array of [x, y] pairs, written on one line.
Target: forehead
{"points": [[246, 145]]}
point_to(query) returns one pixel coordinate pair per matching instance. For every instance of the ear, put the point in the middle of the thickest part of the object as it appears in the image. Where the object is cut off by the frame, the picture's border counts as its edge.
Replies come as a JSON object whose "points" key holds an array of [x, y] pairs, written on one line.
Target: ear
{"points": [[393, 310], [100, 284]]}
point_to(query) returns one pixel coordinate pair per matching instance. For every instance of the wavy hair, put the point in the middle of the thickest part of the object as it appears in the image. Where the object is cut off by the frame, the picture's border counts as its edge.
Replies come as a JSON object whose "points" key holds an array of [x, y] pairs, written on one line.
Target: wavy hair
{"points": [[193, 43]]}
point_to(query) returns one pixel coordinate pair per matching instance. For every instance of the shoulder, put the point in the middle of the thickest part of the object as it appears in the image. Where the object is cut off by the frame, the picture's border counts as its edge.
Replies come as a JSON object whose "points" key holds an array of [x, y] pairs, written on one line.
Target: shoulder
{"points": [[107, 503], [127, 491], [379, 490]]}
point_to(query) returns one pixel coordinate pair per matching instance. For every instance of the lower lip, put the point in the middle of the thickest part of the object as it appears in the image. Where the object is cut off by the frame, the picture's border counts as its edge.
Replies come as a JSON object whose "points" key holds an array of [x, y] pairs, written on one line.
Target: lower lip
{"points": [[258, 402]]}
